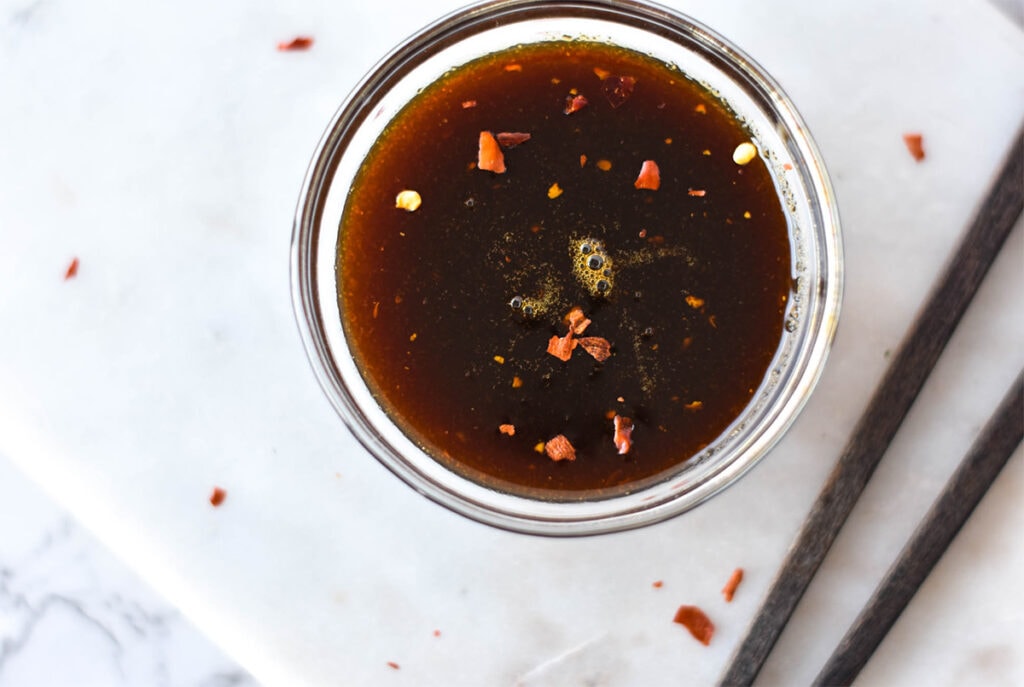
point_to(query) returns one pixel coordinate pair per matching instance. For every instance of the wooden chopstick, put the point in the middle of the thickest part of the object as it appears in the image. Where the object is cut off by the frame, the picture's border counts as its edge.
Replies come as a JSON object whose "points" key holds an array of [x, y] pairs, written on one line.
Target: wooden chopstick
{"points": [[889, 405], [976, 472]]}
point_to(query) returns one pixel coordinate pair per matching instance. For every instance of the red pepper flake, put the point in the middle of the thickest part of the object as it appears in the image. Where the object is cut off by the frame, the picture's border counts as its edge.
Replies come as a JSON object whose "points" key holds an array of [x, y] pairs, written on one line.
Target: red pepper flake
{"points": [[217, 497], [72, 269], [561, 346], [602, 73], [597, 347], [489, 156], [507, 430], [393, 665], [376, 309], [787, 166], [914, 143], [694, 405], [577, 321], [694, 302], [618, 89], [604, 165], [558, 448], [697, 192], [467, 104], [657, 584], [437, 633], [649, 177], [583, 160], [623, 438], [510, 139], [574, 103], [734, 581], [694, 620], [513, 67], [700, 109], [297, 43]]}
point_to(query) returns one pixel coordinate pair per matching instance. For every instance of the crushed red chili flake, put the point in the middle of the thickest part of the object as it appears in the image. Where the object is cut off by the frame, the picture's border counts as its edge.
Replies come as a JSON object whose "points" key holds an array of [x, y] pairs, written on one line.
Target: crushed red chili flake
{"points": [[513, 67], [559, 448], [697, 192], [657, 584], [562, 346], [297, 43], [489, 156], [437, 633], [510, 139], [507, 430], [730, 587], [393, 665], [623, 438], [700, 109], [72, 269], [583, 160], [596, 346], [574, 103], [602, 73], [577, 321], [467, 104], [618, 89], [915, 144], [649, 177], [217, 497], [695, 620]]}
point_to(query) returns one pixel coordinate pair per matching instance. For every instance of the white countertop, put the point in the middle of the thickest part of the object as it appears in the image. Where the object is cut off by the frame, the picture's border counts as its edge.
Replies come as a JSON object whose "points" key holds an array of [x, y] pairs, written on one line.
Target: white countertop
{"points": [[164, 147]]}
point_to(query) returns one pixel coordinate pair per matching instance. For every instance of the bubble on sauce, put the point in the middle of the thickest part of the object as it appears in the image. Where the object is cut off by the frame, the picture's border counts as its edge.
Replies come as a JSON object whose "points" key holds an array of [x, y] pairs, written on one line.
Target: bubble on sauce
{"points": [[592, 266]]}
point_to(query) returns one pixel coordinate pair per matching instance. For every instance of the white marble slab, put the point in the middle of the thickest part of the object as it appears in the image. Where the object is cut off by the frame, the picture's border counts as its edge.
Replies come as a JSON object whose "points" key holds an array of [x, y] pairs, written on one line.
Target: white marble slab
{"points": [[164, 145], [71, 614]]}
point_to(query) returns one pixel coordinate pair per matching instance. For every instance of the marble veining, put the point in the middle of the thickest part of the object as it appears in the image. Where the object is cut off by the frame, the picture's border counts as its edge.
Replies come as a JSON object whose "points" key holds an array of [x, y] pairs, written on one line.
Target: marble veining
{"points": [[71, 614]]}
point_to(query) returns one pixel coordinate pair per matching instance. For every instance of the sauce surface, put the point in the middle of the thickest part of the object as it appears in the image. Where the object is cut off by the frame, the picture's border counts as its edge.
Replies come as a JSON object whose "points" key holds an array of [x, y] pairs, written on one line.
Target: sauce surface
{"points": [[450, 308]]}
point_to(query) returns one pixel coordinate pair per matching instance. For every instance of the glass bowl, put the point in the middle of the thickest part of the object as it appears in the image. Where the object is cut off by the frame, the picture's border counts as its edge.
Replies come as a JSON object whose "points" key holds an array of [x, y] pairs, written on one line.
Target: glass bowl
{"points": [[730, 75]]}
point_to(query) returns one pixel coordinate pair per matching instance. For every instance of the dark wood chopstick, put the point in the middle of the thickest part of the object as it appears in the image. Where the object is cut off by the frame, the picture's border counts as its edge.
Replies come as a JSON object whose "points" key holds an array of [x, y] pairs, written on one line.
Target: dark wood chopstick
{"points": [[964, 490], [889, 405]]}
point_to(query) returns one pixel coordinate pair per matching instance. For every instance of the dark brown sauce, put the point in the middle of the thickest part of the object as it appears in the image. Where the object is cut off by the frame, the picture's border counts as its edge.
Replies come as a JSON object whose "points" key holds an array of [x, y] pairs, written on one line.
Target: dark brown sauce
{"points": [[694, 304]]}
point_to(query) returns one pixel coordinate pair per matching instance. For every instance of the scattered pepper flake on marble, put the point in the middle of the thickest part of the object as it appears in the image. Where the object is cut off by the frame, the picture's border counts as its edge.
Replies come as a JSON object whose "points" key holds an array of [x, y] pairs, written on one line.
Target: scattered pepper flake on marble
{"points": [[217, 496], [649, 177], [697, 622], [657, 584], [393, 665], [297, 43], [72, 269], [915, 144], [559, 448], [730, 587]]}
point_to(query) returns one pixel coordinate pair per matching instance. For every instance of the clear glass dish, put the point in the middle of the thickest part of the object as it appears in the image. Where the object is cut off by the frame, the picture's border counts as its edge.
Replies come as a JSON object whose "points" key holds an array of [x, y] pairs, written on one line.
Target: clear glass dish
{"points": [[732, 76]]}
